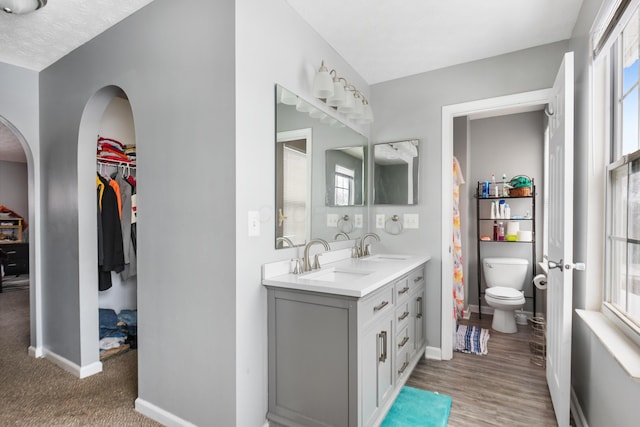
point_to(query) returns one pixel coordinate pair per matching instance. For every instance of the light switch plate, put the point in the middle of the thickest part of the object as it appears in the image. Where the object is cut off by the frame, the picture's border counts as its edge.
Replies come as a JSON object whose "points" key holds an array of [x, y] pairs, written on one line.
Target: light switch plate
{"points": [[254, 223], [379, 220], [332, 220], [411, 221], [358, 220]]}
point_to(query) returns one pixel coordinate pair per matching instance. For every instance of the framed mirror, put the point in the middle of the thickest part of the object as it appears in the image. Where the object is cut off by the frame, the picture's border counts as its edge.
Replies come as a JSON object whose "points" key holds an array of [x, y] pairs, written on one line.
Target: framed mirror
{"points": [[312, 199], [395, 173]]}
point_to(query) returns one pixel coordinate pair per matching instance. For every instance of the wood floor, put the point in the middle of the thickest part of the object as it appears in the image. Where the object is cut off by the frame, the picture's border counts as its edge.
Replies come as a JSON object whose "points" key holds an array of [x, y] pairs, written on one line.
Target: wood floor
{"points": [[484, 392]]}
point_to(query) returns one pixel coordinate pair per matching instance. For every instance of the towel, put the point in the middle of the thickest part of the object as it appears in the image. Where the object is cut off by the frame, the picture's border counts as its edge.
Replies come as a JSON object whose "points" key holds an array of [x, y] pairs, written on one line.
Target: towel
{"points": [[472, 339]]}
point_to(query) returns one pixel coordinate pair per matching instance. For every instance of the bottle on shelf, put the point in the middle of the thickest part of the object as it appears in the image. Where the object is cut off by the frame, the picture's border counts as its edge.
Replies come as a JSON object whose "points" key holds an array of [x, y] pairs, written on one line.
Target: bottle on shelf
{"points": [[495, 230], [494, 210], [507, 211], [501, 231], [501, 212], [505, 187], [496, 191]]}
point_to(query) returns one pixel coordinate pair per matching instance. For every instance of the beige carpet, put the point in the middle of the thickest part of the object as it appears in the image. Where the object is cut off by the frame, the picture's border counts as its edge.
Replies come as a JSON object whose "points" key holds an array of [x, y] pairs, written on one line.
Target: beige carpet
{"points": [[35, 392]]}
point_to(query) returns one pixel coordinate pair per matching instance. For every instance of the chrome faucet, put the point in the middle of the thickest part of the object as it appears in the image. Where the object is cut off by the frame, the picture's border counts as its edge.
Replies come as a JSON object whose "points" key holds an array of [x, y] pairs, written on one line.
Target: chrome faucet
{"points": [[307, 263], [364, 248], [343, 234], [285, 240]]}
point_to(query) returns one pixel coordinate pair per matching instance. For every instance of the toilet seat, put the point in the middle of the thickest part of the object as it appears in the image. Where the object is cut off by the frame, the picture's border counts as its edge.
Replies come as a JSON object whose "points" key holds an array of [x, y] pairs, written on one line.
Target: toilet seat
{"points": [[504, 294]]}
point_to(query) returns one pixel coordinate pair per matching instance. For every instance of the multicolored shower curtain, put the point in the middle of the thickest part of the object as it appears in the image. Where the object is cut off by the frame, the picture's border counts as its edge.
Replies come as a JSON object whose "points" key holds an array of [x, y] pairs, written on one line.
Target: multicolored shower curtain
{"points": [[458, 276]]}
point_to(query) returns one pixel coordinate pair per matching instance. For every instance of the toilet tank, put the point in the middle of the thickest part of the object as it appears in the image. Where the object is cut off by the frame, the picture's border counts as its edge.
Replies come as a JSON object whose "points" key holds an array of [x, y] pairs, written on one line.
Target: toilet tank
{"points": [[505, 272]]}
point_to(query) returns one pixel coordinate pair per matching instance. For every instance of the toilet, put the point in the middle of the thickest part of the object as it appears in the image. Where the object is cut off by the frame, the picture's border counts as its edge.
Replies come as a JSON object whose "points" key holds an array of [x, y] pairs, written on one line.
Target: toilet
{"points": [[505, 282]]}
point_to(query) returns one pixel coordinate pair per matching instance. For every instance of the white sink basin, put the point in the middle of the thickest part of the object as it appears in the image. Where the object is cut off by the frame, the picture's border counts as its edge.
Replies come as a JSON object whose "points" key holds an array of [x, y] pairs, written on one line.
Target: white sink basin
{"points": [[381, 257], [336, 274]]}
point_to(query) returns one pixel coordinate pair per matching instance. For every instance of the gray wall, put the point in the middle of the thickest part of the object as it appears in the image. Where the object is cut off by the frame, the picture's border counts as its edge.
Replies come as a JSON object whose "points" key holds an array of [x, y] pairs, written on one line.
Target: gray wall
{"points": [[179, 76], [14, 187], [412, 108], [511, 145]]}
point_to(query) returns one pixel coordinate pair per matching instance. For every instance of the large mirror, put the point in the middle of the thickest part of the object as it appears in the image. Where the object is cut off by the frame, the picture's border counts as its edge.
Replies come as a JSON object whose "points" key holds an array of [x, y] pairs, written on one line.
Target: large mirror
{"points": [[395, 173], [321, 170]]}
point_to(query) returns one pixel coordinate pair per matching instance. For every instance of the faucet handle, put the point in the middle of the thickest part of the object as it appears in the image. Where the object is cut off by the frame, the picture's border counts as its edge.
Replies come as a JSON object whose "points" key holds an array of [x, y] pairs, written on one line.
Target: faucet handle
{"points": [[316, 262], [367, 249], [297, 268]]}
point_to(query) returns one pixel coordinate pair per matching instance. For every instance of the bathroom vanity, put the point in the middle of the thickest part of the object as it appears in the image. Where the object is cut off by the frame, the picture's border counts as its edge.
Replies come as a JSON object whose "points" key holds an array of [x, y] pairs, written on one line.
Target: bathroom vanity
{"points": [[343, 339]]}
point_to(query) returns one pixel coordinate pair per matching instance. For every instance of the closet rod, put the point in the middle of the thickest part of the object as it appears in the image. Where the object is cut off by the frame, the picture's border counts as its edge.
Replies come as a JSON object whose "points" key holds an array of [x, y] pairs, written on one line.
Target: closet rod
{"points": [[115, 163]]}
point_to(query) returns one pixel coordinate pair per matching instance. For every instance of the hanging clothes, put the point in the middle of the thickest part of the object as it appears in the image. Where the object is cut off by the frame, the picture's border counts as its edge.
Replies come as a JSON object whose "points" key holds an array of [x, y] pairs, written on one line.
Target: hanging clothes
{"points": [[458, 274], [126, 191], [110, 249]]}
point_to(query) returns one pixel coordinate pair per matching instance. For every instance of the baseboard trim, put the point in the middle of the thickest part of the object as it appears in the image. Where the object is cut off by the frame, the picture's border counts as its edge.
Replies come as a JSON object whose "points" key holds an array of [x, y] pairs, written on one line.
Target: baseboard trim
{"points": [[36, 352], [433, 353], [160, 415], [69, 366], [576, 411]]}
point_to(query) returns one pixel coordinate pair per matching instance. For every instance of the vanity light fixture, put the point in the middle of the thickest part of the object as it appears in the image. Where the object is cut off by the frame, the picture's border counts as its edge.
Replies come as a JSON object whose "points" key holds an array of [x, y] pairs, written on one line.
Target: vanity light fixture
{"points": [[20, 7], [323, 83], [337, 93]]}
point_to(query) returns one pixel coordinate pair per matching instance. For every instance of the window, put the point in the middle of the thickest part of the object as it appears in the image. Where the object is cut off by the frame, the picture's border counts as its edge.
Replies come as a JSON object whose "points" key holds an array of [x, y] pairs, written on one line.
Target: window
{"points": [[622, 284], [343, 184]]}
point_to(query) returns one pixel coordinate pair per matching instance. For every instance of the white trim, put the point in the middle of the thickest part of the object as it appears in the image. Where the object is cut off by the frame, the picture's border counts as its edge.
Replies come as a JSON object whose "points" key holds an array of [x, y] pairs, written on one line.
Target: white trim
{"points": [[69, 366], [576, 411], [160, 415], [433, 353], [449, 112], [36, 352]]}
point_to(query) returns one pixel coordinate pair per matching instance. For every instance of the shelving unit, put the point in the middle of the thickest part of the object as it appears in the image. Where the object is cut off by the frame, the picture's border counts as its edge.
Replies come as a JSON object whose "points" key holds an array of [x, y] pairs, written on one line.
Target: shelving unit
{"points": [[481, 220], [10, 229]]}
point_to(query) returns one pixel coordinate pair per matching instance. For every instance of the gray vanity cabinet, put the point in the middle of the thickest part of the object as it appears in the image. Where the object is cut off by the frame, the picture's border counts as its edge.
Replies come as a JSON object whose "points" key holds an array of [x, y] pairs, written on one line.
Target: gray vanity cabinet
{"points": [[334, 360]]}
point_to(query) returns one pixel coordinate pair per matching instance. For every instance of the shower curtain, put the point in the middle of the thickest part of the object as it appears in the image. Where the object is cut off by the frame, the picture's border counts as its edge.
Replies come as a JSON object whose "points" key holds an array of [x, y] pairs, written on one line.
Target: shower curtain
{"points": [[458, 276]]}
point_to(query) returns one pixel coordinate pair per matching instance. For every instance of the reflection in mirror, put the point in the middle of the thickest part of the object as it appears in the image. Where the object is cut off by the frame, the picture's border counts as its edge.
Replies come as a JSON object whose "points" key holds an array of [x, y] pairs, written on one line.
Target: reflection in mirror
{"points": [[293, 198], [395, 173], [309, 204], [344, 176]]}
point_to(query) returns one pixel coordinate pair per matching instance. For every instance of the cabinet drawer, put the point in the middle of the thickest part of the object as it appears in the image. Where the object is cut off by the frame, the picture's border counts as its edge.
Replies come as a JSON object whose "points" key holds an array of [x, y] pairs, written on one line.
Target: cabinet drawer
{"points": [[403, 314], [416, 278], [403, 340], [402, 289], [376, 305], [402, 363]]}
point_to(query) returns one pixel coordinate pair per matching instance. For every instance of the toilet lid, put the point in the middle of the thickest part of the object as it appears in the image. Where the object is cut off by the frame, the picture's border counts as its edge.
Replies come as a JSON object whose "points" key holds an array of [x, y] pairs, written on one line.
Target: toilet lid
{"points": [[500, 292]]}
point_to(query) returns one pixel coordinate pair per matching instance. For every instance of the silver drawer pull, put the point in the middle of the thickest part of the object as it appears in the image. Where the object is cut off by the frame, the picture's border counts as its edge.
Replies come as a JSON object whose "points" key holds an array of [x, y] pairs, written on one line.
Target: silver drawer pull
{"points": [[11, 252], [403, 342], [417, 279], [382, 305], [12, 265], [383, 354], [419, 301], [403, 368], [403, 316], [403, 290]]}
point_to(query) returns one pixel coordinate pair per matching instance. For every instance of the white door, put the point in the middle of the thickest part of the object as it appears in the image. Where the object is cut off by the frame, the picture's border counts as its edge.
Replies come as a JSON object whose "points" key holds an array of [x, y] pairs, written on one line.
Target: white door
{"points": [[560, 238]]}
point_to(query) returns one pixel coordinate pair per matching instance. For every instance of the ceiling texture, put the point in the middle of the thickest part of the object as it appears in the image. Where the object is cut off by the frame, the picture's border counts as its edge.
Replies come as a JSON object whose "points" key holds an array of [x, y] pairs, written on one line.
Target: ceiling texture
{"points": [[382, 39]]}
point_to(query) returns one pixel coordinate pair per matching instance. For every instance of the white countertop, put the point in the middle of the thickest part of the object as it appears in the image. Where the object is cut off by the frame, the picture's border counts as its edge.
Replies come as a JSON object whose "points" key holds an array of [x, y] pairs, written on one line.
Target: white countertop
{"points": [[355, 277]]}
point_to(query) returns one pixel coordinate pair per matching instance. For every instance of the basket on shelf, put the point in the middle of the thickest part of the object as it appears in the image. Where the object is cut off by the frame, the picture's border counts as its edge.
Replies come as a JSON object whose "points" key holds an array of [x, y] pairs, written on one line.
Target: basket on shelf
{"points": [[520, 186]]}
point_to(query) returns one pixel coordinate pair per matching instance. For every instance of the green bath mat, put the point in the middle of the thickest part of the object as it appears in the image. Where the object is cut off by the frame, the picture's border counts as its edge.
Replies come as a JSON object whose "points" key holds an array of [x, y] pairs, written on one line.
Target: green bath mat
{"points": [[418, 408]]}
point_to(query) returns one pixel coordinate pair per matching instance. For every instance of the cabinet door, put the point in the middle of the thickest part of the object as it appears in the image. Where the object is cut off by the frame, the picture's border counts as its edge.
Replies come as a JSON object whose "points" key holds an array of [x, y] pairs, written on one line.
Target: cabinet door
{"points": [[377, 368], [418, 320]]}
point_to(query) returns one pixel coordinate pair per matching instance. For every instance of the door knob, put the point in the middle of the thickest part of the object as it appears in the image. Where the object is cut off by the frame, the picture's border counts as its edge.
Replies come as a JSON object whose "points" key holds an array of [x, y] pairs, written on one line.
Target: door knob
{"points": [[576, 266]]}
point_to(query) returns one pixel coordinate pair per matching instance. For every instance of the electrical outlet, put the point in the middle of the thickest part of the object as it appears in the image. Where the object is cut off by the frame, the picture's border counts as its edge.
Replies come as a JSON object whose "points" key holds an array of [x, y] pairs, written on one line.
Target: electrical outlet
{"points": [[332, 220], [358, 220], [411, 221], [254, 223], [379, 220]]}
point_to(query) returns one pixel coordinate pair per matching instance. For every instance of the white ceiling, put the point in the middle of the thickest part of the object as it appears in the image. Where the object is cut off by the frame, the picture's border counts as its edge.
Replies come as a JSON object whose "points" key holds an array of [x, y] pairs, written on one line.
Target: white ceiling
{"points": [[382, 39], [385, 40]]}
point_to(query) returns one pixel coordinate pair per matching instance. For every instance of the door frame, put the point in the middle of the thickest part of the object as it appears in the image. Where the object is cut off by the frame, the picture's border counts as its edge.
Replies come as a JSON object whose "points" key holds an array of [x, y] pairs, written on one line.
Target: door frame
{"points": [[449, 112]]}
